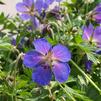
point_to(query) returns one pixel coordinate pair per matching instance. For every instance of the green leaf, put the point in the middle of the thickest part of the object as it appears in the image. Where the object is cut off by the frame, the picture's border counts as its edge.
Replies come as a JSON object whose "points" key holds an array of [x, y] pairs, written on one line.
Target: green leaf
{"points": [[92, 58], [78, 39], [21, 83], [77, 93], [4, 43], [5, 46]]}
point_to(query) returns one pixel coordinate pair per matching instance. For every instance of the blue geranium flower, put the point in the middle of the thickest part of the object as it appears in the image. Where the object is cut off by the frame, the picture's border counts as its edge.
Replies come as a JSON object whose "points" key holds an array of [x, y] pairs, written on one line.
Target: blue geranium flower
{"points": [[96, 13], [30, 9], [46, 60], [91, 34]]}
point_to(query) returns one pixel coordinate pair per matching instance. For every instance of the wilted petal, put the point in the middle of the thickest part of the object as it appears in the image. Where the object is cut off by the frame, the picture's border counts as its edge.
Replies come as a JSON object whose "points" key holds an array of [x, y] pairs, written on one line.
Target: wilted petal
{"points": [[88, 65], [87, 32], [42, 46], [32, 58], [13, 41], [61, 71], [21, 7], [42, 75], [25, 16], [61, 53]]}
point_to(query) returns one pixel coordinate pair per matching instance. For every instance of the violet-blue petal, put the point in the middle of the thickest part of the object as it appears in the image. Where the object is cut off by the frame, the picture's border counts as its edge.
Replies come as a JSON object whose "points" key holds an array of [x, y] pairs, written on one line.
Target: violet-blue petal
{"points": [[61, 53], [45, 6], [25, 16], [28, 3], [98, 8], [61, 71], [98, 52], [42, 46], [49, 1], [87, 32], [35, 22], [58, 0], [97, 35], [42, 75], [97, 16], [32, 58], [39, 5], [21, 7]]}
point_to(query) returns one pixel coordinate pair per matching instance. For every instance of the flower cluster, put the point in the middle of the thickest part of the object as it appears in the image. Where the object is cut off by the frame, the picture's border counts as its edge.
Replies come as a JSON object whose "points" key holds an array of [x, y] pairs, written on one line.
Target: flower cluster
{"points": [[92, 34], [46, 60], [33, 9]]}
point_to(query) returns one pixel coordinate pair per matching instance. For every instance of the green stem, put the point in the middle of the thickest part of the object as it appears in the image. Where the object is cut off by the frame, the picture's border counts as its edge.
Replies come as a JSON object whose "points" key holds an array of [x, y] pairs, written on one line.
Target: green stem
{"points": [[14, 49], [57, 28], [83, 73], [71, 97], [16, 63], [55, 25], [52, 33], [87, 7], [69, 20], [50, 94]]}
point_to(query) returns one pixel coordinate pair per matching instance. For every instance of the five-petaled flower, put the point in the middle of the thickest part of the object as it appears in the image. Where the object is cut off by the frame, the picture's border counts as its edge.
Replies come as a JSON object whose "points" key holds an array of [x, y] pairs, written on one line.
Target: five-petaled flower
{"points": [[46, 60], [92, 35], [29, 9]]}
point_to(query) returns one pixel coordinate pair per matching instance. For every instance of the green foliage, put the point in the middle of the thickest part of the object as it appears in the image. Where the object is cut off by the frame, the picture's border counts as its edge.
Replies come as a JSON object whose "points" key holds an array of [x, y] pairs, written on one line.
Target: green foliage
{"points": [[16, 80]]}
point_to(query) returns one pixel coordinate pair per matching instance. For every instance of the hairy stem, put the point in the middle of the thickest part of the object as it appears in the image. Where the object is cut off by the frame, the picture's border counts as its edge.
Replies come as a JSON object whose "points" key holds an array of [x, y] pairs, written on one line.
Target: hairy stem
{"points": [[69, 95], [83, 73]]}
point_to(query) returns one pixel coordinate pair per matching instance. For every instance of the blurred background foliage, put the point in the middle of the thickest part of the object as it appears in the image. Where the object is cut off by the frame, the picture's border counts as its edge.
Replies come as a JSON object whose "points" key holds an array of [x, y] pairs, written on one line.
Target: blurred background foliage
{"points": [[15, 80]]}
